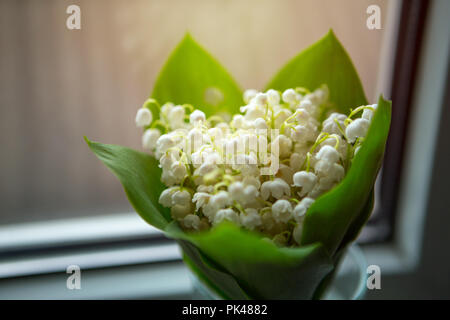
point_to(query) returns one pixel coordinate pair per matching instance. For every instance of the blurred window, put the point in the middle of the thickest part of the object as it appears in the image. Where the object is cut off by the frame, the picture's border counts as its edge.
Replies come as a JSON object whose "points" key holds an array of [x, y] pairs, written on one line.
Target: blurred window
{"points": [[57, 85]]}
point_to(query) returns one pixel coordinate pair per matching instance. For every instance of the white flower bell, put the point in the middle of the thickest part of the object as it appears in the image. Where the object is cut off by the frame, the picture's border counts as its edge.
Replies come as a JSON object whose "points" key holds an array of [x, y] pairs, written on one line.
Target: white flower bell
{"points": [[250, 219], [328, 153], [301, 208], [150, 138], [282, 211], [197, 116], [305, 180], [357, 129], [273, 97], [226, 214], [289, 96], [277, 188], [249, 95], [143, 117]]}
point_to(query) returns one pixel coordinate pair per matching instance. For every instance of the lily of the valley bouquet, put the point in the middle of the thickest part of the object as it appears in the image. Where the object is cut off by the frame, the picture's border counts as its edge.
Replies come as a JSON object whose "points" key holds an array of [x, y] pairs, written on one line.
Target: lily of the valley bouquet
{"points": [[263, 190]]}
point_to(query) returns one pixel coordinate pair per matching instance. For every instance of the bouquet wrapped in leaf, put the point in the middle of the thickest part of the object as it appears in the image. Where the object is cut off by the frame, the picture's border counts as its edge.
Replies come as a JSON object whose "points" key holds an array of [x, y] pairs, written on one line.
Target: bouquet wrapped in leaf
{"points": [[262, 220]]}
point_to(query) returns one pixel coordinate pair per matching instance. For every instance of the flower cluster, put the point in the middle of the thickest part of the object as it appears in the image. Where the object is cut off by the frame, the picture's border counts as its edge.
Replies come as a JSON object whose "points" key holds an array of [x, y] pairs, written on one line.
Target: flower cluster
{"points": [[216, 168]]}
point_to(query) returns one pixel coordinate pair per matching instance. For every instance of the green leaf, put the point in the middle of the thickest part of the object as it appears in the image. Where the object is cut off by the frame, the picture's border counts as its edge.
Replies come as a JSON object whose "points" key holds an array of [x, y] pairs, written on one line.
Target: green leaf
{"points": [[140, 176], [355, 228], [346, 207], [325, 62], [192, 75], [263, 270], [216, 279]]}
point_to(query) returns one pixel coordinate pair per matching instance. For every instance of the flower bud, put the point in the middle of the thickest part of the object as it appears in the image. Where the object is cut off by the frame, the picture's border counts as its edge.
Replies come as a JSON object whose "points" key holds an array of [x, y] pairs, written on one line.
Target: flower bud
{"points": [[250, 219], [328, 153], [330, 125], [165, 198], [226, 214], [357, 129], [181, 197], [282, 211], [273, 97], [191, 221], [277, 188], [260, 99], [150, 138], [249, 95], [178, 170], [260, 123], [180, 211], [220, 200], [197, 116], [305, 180], [143, 117], [200, 199], [289, 96], [301, 208], [368, 113]]}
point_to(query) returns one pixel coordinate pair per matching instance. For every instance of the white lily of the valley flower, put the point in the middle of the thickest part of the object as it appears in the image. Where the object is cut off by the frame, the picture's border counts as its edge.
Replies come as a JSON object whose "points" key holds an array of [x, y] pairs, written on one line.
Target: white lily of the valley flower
{"points": [[343, 145], [200, 199], [254, 111], [191, 221], [305, 180], [180, 211], [273, 97], [281, 116], [328, 153], [165, 109], [282, 211], [296, 161], [143, 117], [249, 95], [297, 233], [178, 170], [220, 200], [284, 145], [323, 167], [260, 99], [197, 116], [252, 181], [165, 198], [226, 214], [164, 142], [242, 193], [301, 208], [250, 219], [239, 122], [260, 123], [368, 113], [357, 129], [330, 125], [181, 197], [168, 179], [300, 134], [149, 138], [277, 188], [289, 96], [176, 117], [306, 104]]}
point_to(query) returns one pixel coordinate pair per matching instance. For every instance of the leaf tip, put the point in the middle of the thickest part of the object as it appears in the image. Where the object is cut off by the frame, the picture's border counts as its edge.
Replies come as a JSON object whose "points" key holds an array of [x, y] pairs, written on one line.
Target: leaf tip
{"points": [[89, 142], [188, 38]]}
